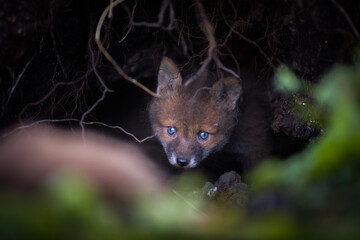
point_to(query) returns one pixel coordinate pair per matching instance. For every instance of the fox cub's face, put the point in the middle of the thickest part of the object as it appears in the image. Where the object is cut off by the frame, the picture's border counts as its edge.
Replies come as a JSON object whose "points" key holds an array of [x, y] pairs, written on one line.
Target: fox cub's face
{"points": [[192, 123]]}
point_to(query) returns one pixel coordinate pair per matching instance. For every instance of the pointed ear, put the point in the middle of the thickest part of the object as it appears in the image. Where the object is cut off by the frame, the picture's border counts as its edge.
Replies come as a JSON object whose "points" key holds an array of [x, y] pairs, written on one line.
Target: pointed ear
{"points": [[169, 77], [227, 92]]}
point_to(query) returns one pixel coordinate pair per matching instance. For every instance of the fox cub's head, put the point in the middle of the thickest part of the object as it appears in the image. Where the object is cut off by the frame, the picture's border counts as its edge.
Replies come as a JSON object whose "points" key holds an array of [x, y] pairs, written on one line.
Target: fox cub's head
{"points": [[192, 123]]}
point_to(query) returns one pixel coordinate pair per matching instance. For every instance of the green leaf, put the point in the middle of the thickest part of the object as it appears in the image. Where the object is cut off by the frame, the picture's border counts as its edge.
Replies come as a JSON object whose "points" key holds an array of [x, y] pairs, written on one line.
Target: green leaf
{"points": [[286, 81]]}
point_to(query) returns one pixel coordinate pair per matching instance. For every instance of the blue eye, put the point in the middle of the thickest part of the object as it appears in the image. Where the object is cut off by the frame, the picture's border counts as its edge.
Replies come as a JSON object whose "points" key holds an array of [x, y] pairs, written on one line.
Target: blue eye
{"points": [[204, 135], [171, 130]]}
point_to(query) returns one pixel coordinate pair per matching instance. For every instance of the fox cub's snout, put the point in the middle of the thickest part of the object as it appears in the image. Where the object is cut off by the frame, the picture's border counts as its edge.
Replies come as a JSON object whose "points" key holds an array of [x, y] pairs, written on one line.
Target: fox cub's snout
{"points": [[192, 122]]}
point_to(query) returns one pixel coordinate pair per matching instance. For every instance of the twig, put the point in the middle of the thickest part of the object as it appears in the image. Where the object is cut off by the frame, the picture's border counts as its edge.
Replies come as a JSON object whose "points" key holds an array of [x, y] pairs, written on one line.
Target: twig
{"points": [[106, 90], [109, 57], [348, 19], [221, 66], [52, 34], [233, 30], [122, 129], [45, 97], [165, 4], [258, 47], [73, 120], [126, 34], [208, 31], [111, 8], [233, 58], [201, 89], [189, 203], [18, 79]]}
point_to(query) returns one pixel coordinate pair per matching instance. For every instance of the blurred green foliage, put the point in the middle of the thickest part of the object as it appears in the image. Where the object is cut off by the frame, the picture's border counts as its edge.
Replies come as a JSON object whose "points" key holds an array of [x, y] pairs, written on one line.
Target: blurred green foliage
{"points": [[322, 182], [314, 194], [286, 81]]}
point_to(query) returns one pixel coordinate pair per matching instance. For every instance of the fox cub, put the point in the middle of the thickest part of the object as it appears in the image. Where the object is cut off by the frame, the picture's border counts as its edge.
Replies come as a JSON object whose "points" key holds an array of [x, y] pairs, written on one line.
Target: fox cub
{"points": [[194, 120]]}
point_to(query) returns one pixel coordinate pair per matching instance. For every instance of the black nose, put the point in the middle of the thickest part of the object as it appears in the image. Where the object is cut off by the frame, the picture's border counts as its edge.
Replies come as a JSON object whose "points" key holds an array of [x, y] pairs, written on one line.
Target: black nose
{"points": [[182, 162]]}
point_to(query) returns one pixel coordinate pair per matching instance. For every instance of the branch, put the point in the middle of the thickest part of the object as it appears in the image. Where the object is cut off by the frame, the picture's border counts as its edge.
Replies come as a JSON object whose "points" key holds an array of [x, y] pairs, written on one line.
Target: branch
{"points": [[18, 79], [257, 46], [73, 120], [348, 19], [189, 203], [46, 96], [209, 32], [165, 4], [233, 30], [106, 90], [107, 10]]}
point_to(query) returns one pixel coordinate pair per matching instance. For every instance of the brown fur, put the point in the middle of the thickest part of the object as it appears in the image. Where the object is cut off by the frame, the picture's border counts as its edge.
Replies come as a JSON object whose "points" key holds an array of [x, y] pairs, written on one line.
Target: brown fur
{"points": [[191, 111]]}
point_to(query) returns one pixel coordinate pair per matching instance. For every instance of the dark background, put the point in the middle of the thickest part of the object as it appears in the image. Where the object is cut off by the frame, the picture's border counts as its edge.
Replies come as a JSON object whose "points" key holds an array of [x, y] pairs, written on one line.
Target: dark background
{"points": [[48, 56]]}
